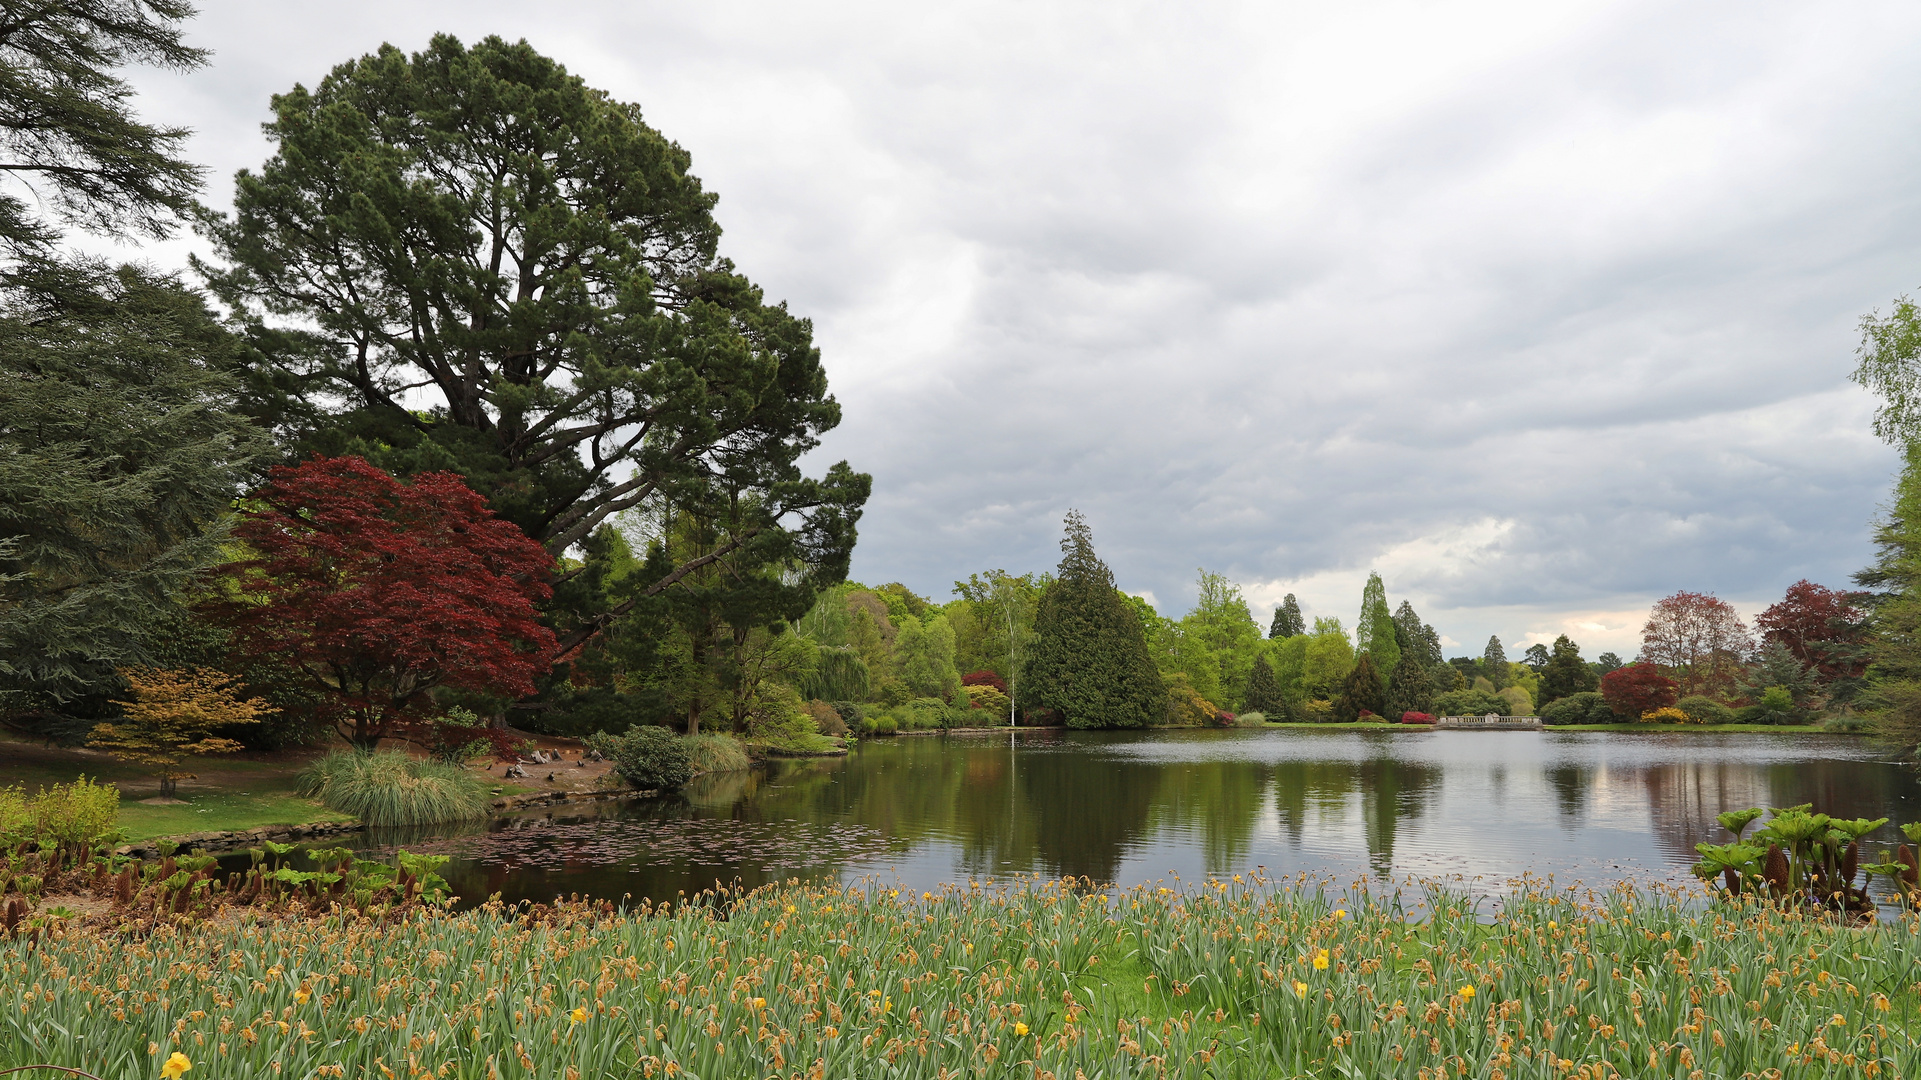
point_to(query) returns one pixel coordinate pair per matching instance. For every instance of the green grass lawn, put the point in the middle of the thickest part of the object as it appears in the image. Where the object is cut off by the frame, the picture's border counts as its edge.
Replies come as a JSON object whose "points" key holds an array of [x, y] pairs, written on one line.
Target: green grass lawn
{"points": [[218, 811]]}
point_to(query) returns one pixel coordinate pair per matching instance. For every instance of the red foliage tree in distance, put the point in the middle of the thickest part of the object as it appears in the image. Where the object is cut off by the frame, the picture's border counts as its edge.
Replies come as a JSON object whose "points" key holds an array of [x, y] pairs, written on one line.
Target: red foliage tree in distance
{"points": [[1698, 637], [1820, 626], [984, 678], [380, 591], [1637, 689]]}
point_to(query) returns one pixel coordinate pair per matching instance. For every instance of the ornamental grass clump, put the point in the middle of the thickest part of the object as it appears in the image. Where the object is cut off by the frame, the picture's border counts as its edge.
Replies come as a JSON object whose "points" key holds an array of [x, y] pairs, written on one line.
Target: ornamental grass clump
{"points": [[1240, 977], [716, 753], [390, 788]]}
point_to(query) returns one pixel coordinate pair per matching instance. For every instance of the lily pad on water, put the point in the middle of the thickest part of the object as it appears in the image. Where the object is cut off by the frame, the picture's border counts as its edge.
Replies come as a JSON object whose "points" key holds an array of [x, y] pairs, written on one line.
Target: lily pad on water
{"points": [[766, 845]]}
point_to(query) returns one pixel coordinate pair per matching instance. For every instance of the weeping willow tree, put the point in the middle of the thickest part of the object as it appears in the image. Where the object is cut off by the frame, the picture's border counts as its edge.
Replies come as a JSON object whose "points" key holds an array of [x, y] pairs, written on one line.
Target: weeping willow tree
{"points": [[839, 675]]}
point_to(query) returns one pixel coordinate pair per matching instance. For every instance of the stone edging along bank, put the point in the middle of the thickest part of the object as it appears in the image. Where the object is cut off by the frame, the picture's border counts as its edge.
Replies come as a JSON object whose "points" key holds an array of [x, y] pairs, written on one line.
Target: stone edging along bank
{"points": [[208, 842]]}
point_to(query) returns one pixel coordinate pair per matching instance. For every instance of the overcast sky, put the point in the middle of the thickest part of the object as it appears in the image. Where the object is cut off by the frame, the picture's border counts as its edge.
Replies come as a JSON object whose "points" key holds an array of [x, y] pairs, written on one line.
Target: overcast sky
{"points": [[1543, 310]]}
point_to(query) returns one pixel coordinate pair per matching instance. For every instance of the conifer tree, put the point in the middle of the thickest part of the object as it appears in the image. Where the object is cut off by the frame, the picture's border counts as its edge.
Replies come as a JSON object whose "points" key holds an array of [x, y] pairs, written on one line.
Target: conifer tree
{"points": [[1263, 693], [1089, 659], [1287, 619], [1409, 688], [1374, 634], [1361, 691], [1494, 664]]}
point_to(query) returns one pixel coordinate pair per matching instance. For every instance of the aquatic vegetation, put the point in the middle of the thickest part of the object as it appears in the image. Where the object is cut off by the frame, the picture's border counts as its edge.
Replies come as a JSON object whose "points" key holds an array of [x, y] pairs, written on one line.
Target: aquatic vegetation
{"points": [[1232, 978], [390, 788], [1806, 859]]}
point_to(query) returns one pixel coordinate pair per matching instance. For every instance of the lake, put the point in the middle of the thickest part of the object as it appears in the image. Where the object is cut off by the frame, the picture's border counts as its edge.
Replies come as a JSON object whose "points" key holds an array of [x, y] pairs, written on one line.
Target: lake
{"points": [[1479, 807]]}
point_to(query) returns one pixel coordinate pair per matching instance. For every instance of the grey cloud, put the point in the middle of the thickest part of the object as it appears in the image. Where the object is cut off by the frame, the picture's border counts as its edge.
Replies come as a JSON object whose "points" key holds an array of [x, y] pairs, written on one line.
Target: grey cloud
{"points": [[1284, 291]]}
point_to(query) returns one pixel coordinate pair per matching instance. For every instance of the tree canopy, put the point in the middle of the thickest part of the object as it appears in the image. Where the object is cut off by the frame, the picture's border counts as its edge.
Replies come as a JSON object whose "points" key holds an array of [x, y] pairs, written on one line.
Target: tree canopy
{"points": [[1089, 659], [120, 456], [1287, 619], [478, 229], [379, 591]]}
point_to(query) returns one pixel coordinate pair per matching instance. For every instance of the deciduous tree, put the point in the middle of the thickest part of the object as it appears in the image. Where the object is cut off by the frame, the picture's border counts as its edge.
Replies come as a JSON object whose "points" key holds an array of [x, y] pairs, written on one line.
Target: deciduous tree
{"points": [[1822, 627], [1089, 660], [171, 714], [1637, 689], [1374, 631], [1700, 639], [379, 591]]}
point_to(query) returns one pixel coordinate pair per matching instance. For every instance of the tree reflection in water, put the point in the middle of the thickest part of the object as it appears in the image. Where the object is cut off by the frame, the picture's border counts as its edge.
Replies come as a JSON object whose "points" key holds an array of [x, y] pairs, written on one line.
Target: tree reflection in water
{"points": [[1128, 807]]}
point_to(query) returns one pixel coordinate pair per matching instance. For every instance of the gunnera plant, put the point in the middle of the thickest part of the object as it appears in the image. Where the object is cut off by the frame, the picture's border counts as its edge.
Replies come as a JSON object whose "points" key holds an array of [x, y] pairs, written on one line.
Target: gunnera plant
{"points": [[650, 758], [387, 788]]}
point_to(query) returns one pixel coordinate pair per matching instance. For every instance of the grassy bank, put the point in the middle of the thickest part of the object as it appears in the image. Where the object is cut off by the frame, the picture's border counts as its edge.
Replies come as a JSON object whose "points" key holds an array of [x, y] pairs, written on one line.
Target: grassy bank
{"points": [[1228, 980], [223, 811]]}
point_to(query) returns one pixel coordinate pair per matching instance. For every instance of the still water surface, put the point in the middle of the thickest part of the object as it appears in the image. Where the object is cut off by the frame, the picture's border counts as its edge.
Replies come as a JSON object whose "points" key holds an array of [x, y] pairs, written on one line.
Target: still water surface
{"points": [[1131, 807]]}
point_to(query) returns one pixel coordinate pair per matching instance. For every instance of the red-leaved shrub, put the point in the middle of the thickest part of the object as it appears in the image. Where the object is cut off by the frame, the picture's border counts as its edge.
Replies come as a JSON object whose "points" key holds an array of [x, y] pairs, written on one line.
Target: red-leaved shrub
{"points": [[1637, 689], [984, 678], [1412, 717]]}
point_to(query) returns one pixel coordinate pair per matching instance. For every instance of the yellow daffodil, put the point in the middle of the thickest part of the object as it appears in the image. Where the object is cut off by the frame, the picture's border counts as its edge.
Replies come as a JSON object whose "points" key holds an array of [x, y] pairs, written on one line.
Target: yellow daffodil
{"points": [[790, 909], [1320, 960], [1340, 913], [1019, 1029], [1794, 1048], [1300, 988], [1467, 992], [579, 1016], [175, 1065], [759, 1003], [301, 995]]}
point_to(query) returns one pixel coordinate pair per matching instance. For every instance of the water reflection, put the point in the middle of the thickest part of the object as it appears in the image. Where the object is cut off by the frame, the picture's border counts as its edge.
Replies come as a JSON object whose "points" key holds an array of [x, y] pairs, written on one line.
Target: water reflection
{"points": [[1129, 808]]}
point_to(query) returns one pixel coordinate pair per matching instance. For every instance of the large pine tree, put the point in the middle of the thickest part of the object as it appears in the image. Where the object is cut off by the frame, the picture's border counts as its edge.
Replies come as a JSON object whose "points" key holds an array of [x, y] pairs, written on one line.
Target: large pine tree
{"points": [[1287, 619], [1089, 660]]}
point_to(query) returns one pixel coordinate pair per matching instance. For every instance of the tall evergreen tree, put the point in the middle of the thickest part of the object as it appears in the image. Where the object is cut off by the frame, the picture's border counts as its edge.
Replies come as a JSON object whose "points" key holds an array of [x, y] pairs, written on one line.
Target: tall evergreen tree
{"points": [[1409, 687], [1089, 659], [67, 129], [1362, 690], [1287, 619], [1494, 664], [1374, 634], [120, 457], [1263, 693], [1565, 673]]}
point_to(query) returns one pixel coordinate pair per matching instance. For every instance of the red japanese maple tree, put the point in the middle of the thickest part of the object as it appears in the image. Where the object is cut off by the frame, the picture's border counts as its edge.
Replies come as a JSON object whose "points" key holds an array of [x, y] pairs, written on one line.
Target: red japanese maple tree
{"points": [[984, 677], [1637, 689], [1820, 626], [379, 591]]}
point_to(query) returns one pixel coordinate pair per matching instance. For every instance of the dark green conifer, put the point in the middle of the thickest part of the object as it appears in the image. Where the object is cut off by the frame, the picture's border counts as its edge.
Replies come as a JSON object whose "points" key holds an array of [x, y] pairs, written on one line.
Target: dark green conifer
{"points": [[1409, 689], [1287, 619], [1263, 690], [1362, 690], [1089, 660], [1566, 673], [1494, 664]]}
